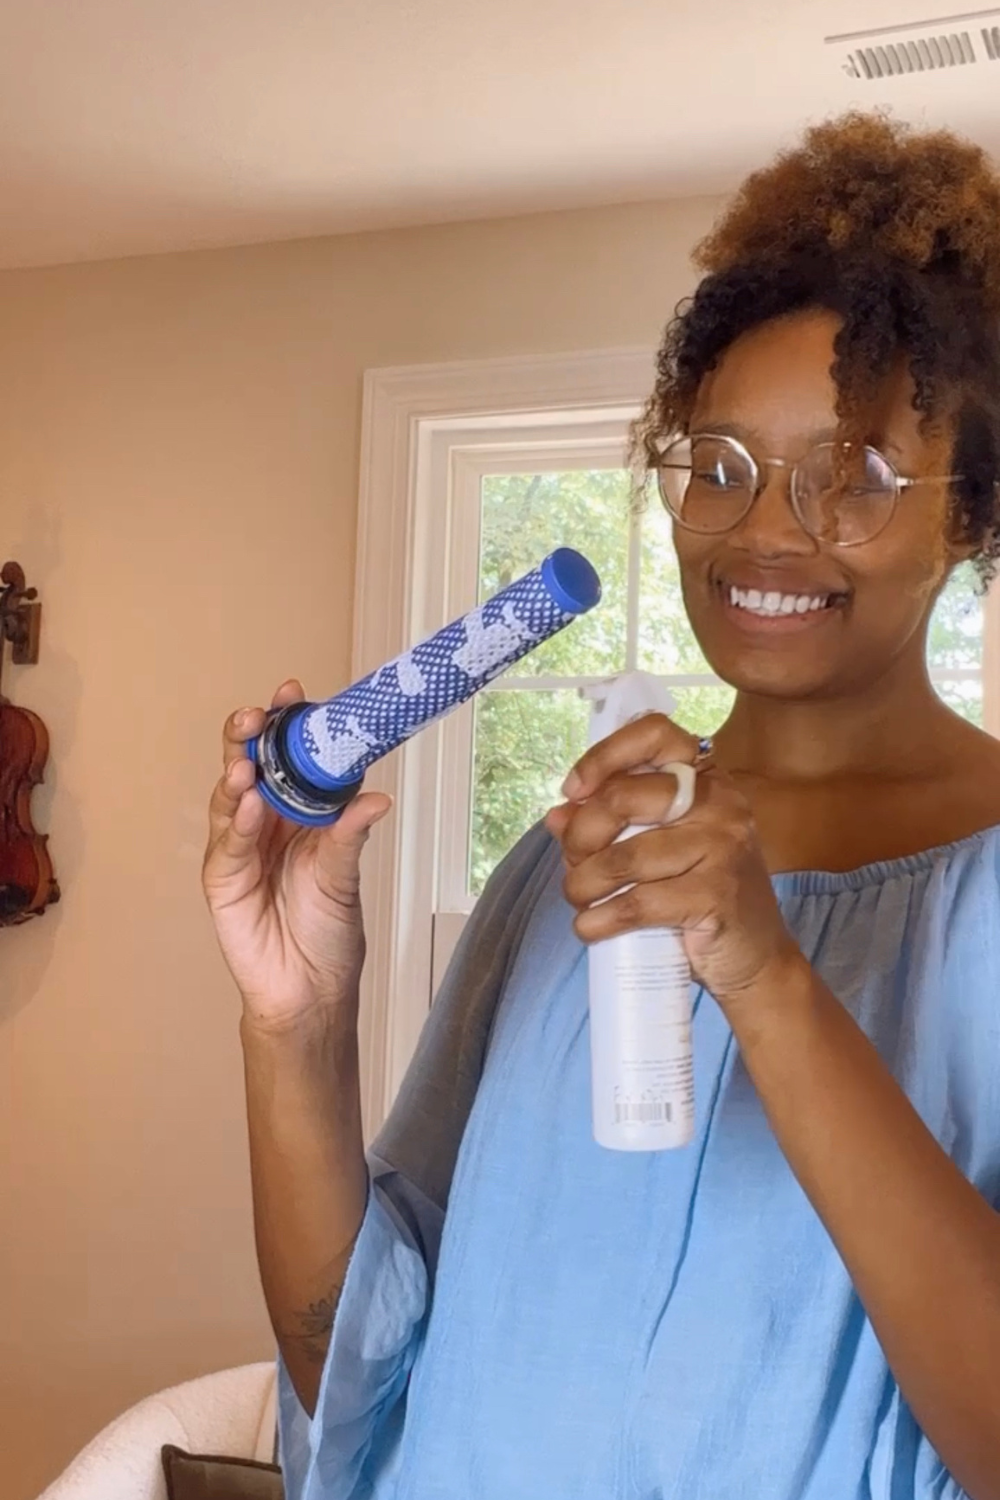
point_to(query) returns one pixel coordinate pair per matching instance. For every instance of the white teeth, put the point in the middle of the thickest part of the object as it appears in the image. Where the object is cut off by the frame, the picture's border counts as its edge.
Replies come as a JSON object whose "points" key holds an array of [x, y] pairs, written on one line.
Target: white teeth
{"points": [[773, 604]]}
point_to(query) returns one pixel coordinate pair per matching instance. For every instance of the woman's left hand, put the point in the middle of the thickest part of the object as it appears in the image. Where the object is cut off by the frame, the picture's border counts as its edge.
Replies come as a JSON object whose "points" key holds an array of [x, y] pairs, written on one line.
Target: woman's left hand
{"points": [[704, 874]]}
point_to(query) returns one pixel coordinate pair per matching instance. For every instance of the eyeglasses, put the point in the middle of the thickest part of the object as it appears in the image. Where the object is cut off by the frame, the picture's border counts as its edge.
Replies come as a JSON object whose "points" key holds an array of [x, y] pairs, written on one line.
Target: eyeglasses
{"points": [[840, 495]]}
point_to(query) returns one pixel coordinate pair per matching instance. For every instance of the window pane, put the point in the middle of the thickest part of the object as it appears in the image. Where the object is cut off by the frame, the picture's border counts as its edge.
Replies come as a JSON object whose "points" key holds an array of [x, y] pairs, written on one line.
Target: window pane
{"points": [[955, 639], [966, 698], [666, 640], [956, 634], [525, 516], [525, 742]]}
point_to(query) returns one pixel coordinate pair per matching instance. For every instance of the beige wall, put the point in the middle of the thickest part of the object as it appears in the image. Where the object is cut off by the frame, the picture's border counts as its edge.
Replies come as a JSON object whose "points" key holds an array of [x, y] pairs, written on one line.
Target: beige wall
{"points": [[178, 458]]}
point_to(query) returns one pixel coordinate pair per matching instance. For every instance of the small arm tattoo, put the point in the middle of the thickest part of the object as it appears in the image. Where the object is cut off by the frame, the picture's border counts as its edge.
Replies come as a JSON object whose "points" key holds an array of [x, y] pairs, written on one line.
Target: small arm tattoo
{"points": [[316, 1326]]}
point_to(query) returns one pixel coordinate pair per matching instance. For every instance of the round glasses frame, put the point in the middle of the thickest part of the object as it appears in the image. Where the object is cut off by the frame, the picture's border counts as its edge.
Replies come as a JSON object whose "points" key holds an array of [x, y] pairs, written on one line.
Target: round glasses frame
{"points": [[896, 483]]}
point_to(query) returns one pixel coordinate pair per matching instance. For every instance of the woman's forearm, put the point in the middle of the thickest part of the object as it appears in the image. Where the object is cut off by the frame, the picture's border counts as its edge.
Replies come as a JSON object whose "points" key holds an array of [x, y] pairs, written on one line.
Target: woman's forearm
{"points": [[310, 1181], [921, 1244]]}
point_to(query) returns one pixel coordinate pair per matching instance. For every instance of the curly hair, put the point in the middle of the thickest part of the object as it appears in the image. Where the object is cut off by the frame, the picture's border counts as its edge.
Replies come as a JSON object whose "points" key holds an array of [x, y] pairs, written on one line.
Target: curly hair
{"points": [[898, 233]]}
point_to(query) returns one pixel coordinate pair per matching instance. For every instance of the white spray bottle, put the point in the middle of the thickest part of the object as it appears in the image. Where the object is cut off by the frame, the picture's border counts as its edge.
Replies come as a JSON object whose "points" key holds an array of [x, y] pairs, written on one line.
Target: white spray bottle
{"points": [[640, 982]]}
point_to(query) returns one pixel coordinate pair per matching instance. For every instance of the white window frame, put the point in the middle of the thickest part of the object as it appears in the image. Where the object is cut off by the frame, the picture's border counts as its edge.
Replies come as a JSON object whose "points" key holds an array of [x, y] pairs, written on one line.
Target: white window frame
{"points": [[991, 662], [428, 433]]}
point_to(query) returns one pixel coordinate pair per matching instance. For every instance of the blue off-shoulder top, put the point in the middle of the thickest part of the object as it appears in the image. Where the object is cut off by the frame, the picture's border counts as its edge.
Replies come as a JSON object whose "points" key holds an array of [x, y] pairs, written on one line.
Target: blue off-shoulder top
{"points": [[582, 1324]]}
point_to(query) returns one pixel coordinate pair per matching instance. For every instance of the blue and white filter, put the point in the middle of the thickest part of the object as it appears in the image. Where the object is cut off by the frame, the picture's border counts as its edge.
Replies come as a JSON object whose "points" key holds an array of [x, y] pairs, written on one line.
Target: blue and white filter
{"points": [[312, 757]]}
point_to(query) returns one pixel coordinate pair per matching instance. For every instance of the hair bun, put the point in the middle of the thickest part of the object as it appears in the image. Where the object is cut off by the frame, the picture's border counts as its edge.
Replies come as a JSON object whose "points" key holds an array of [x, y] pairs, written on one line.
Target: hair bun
{"points": [[868, 186]]}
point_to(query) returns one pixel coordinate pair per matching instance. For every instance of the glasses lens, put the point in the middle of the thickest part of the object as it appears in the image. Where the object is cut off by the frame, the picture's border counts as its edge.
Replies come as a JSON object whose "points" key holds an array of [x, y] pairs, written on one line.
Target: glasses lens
{"points": [[707, 483], [844, 496]]}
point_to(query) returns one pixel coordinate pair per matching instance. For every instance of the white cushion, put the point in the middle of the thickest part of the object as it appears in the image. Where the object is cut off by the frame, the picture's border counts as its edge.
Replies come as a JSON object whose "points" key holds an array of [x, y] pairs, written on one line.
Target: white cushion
{"points": [[231, 1413]]}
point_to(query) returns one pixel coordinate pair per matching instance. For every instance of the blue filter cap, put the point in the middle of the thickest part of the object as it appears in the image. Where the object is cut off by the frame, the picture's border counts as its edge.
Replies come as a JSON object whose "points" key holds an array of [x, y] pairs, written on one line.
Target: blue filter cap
{"points": [[571, 580]]}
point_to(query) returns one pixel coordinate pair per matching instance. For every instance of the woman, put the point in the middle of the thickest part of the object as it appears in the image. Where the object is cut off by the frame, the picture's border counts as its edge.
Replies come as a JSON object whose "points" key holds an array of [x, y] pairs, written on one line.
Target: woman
{"points": [[805, 1304]]}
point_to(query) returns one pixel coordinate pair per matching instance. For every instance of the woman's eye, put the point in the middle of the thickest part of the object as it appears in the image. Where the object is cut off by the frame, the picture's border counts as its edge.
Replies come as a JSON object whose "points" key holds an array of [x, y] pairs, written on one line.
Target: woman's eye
{"points": [[717, 479]]}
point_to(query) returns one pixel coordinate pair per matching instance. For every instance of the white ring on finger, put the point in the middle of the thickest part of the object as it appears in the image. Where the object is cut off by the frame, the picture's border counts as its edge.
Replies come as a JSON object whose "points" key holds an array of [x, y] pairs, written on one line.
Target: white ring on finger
{"points": [[687, 779]]}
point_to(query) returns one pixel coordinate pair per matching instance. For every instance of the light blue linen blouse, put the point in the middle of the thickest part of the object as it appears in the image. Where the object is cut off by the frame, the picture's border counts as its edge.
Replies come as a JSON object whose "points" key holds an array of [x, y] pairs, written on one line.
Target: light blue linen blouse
{"points": [[670, 1326]]}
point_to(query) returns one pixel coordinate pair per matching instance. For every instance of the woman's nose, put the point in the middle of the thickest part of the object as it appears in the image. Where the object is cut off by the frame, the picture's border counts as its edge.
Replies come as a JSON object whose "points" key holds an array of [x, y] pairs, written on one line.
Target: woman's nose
{"points": [[771, 528]]}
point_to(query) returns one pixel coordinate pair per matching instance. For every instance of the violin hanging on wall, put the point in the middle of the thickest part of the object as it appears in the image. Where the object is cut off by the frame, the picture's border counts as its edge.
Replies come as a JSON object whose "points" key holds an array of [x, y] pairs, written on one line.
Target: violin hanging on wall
{"points": [[27, 882]]}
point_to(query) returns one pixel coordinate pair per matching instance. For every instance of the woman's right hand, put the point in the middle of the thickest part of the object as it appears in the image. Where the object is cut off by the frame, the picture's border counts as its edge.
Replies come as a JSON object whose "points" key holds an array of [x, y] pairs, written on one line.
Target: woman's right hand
{"points": [[285, 900]]}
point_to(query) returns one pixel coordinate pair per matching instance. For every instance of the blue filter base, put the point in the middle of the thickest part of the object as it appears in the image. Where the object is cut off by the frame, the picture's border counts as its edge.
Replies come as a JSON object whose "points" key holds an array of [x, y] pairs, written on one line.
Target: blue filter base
{"points": [[299, 803], [303, 764], [296, 814]]}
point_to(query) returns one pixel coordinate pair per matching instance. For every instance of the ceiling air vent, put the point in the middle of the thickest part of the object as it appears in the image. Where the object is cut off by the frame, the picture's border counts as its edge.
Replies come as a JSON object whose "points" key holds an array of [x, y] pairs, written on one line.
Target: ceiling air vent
{"points": [[919, 46], [920, 55]]}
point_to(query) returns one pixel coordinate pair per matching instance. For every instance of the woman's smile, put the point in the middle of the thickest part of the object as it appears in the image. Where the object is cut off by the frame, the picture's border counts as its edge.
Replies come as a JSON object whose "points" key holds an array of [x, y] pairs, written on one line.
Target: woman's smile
{"points": [[772, 606]]}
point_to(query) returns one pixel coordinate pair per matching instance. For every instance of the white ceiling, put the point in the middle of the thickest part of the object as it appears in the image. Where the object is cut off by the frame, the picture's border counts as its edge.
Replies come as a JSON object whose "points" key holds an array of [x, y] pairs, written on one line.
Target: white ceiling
{"points": [[134, 126]]}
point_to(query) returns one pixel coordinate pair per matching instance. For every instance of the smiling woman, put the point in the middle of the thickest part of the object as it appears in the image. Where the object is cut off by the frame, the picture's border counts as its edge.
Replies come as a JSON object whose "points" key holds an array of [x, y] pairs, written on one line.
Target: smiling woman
{"points": [[821, 526], [805, 1303]]}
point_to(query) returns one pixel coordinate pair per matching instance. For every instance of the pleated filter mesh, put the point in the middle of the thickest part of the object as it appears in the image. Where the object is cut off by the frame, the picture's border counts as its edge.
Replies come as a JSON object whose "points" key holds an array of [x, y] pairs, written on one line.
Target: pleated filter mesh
{"points": [[378, 713]]}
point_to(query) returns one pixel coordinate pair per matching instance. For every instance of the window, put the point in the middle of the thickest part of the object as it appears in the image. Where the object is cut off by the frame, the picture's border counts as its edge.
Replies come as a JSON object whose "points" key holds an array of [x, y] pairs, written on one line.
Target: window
{"points": [[471, 474], [957, 645]]}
